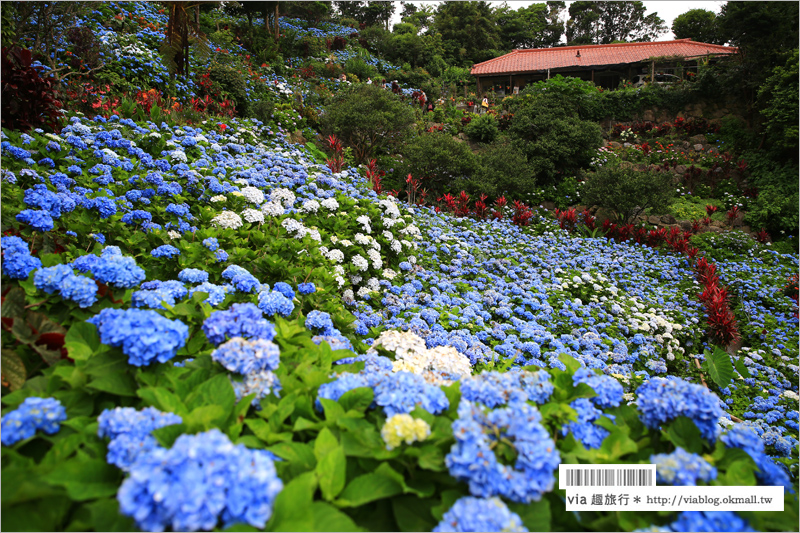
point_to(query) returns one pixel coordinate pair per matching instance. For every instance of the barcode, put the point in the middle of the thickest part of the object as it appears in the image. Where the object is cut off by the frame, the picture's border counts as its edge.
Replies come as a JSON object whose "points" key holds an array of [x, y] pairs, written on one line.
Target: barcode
{"points": [[627, 476]]}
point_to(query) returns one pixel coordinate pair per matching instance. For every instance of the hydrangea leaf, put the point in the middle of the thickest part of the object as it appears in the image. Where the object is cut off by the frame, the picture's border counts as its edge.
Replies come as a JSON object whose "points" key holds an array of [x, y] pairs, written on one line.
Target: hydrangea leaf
{"points": [[86, 479], [358, 399], [13, 370], [82, 341], [413, 513], [719, 367], [368, 488], [685, 433]]}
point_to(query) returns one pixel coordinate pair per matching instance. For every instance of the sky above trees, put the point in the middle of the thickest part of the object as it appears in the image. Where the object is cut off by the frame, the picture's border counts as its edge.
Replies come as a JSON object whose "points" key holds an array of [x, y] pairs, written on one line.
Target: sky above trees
{"points": [[667, 10]]}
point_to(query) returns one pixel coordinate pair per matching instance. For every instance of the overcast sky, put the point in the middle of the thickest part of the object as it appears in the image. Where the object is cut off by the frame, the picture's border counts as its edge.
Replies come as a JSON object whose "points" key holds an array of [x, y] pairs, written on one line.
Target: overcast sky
{"points": [[666, 9]]}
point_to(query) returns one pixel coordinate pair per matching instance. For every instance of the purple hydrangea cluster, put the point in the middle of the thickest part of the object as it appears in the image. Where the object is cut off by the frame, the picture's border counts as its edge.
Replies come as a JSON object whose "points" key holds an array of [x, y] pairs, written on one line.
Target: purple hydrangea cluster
{"points": [[202, 480], [472, 458], [32, 414], [479, 514], [62, 279], [18, 263], [129, 431], [663, 399], [682, 468], [143, 335], [241, 320]]}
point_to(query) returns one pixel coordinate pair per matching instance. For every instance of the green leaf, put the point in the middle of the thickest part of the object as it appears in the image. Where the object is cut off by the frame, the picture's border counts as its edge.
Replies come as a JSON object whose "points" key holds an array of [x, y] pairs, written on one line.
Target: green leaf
{"points": [[13, 303], [259, 427], [296, 453], [719, 367], [216, 391], [738, 363], [684, 433], [163, 400], [413, 513], [82, 341], [331, 469], [291, 509], [367, 488], [205, 417], [741, 473], [13, 370], [328, 518], [331, 409], [120, 383], [325, 443], [535, 516], [86, 479], [431, 457], [359, 399], [167, 435], [106, 516]]}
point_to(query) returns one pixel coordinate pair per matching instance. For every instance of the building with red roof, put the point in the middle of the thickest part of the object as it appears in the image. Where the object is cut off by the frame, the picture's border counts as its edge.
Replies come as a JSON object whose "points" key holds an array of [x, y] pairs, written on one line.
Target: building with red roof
{"points": [[604, 64]]}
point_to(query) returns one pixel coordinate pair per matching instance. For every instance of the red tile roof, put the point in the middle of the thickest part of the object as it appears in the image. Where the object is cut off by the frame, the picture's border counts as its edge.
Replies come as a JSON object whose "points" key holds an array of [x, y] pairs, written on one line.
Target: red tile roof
{"points": [[594, 55]]}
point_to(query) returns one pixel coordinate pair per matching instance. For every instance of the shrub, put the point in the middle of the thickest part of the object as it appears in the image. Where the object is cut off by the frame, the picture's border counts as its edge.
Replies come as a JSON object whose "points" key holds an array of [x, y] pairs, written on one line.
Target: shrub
{"points": [[775, 210], [230, 82], [262, 110], [482, 129], [29, 101], [504, 167], [626, 191], [556, 141], [367, 119], [439, 160]]}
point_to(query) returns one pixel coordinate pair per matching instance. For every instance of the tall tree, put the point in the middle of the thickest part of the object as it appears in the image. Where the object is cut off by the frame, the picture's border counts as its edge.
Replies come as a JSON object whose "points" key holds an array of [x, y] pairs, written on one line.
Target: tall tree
{"points": [[607, 22], [534, 26], [368, 13], [181, 25], [698, 25], [469, 34]]}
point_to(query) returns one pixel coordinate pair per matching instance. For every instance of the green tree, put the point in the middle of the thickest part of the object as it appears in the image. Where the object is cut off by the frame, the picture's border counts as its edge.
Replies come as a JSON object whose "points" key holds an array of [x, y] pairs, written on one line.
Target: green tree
{"points": [[468, 31], [626, 191], [181, 25], [606, 22], [698, 25], [368, 13], [779, 105], [556, 141], [534, 26], [368, 119], [440, 161], [503, 169]]}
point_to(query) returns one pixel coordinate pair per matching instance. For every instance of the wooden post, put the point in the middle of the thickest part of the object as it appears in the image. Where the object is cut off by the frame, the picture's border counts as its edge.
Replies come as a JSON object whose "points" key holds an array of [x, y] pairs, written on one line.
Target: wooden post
{"points": [[652, 71], [478, 78], [548, 74], [592, 75]]}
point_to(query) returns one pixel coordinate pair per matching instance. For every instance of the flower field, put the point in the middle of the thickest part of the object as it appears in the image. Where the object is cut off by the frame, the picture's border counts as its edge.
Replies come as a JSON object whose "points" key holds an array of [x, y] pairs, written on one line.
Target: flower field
{"points": [[206, 328]]}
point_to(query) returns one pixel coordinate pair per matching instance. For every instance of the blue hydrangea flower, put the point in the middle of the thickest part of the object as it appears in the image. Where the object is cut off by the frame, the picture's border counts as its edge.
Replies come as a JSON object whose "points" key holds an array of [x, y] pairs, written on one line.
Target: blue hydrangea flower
{"points": [[17, 260], [262, 384], [48, 279], [202, 480], [682, 468], [272, 303], [609, 390], [211, 243], [241, 320], [663, 399], [746, 438], [700, 521], [285, 289], [401, 392], [480, 514], [306, 288], [38, 219], [221, 256], [32, 414], [79, 289], [193, 275], [497, 388], [165, 250], [245, 356], [473, 460], [319, 321], [117, 271], [584, 429], [216, 293], [143, 335], [129, 431]]}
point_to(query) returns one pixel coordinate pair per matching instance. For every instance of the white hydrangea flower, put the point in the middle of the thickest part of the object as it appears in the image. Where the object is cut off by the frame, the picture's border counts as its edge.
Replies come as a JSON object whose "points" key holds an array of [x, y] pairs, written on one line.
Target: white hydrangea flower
{"points": [[363, 291], [253, 215], [347, 295], [173, 234], [340, 281], [272, 209], [375, 257], [113, 155], [365, 223], [396, 247], [178, 155], [355, 280], [390, 207], [253, 195], [346, 242], [411, 229], [362, 239], [388, 235], [330, 204], [360, 263], [293, 226], [284, 196], [389, 274], [412, 259], [218, 198], [338, 270], [241, 181], [315, 235], [388, 222], [310, 206], [337, 256], [228, 219]]}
